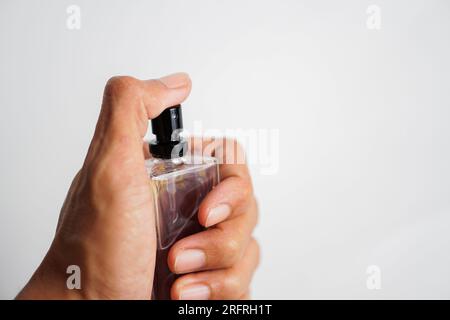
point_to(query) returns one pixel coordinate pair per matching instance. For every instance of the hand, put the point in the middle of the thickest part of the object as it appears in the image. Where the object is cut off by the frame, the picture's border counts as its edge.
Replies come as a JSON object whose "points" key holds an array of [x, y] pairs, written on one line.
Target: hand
{"points": [[106, 226]]}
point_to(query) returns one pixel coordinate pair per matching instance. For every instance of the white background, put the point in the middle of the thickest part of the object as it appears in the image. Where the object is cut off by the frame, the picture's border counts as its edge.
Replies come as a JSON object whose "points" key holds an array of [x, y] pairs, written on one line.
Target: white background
{"points": [[363, 117]]}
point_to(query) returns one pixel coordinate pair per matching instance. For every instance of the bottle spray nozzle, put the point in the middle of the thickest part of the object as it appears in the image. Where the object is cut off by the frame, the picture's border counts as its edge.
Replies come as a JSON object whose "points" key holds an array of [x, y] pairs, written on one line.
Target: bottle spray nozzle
{"points": [[167, 128]]}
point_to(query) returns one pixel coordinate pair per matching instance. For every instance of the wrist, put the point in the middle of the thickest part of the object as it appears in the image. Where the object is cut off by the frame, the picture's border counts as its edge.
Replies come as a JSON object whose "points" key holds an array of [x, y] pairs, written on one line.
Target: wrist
{"points": [[51, 280]]}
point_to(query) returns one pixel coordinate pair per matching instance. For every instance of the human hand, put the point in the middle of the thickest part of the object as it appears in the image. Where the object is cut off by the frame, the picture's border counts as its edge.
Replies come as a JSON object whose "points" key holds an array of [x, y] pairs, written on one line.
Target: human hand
{"points": [[106, 225]]}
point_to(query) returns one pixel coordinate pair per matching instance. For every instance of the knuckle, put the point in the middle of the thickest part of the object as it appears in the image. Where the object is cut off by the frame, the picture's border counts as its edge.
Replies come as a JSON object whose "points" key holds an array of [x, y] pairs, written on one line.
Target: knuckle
{"points": [[121, 85], [232, 283], [232, 250], [246, 188], [225, 250], [106, 182], [242, 192]]}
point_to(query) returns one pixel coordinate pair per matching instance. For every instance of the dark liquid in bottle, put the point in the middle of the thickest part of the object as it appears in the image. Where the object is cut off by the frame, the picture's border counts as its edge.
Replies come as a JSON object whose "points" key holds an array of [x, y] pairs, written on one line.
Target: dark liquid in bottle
{"points": [[178, 199]]}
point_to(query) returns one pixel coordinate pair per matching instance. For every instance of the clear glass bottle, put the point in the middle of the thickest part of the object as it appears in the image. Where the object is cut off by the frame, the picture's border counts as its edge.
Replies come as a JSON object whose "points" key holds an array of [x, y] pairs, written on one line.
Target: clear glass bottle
{"points": [[179, 183]]}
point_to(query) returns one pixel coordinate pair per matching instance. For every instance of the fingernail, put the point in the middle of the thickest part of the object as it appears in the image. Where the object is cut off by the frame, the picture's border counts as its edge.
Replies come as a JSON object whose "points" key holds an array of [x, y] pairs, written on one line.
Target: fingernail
{"points": [[217, 214], [195, 292], [175, 80], [189, 260]]}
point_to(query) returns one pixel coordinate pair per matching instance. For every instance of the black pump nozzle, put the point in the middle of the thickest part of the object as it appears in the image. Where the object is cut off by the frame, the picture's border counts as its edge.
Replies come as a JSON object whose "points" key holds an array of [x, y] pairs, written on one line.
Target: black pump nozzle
{"points": [[167, 128]]}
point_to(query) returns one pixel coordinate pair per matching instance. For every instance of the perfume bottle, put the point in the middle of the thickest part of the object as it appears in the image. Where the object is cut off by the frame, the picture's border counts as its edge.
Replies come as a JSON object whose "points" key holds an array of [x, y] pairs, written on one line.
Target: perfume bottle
{"points": [[179, 183]]}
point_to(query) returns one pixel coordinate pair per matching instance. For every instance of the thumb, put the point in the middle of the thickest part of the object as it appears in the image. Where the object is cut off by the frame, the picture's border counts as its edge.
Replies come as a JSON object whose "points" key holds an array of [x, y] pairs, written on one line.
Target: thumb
{"points": [[107, 222], [128, 104]]}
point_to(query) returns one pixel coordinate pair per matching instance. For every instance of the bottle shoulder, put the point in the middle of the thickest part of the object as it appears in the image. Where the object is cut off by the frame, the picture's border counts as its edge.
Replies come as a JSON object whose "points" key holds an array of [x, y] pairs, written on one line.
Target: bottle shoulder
{"points": [[167, 168]]}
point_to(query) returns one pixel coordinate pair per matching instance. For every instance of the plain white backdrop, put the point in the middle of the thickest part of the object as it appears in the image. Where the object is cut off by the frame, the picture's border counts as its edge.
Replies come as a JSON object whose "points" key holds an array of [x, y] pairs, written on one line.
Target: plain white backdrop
{"points": [[363, 118]]}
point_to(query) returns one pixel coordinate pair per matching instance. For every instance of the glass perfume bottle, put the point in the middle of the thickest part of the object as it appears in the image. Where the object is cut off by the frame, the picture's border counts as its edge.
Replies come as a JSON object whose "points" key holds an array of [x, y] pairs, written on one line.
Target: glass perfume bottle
{"points": [[179, 183]]}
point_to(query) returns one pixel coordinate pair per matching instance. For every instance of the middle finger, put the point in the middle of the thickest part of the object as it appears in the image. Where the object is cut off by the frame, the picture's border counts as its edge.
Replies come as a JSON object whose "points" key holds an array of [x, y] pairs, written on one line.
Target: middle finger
{"points": [[217, 247]]}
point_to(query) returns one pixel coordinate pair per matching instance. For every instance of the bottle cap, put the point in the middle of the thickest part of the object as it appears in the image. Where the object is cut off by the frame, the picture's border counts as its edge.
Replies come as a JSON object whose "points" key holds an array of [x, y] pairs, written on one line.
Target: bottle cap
{"points": [[167, 127]]}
